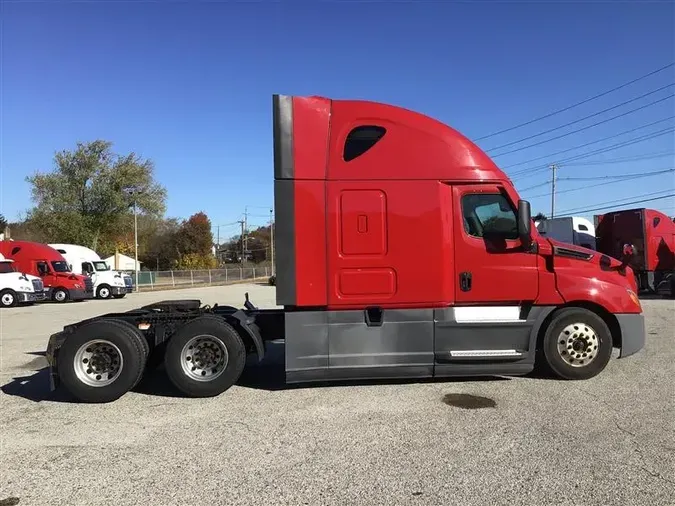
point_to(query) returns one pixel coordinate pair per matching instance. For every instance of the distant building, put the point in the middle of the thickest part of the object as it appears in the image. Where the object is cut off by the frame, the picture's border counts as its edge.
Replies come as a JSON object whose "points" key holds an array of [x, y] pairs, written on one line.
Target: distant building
{"points": [[121, 262]]}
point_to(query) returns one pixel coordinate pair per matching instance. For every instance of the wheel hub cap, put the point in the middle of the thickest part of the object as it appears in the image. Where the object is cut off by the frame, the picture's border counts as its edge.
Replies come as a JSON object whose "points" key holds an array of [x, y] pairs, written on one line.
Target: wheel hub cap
{"points": [[578, 344], [204, 358], [98, 363]]}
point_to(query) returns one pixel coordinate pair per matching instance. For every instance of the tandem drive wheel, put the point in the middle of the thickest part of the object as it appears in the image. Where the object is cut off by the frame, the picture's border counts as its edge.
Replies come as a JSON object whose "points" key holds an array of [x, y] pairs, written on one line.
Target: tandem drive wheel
{"points": [[102, 361], [205, 357]]}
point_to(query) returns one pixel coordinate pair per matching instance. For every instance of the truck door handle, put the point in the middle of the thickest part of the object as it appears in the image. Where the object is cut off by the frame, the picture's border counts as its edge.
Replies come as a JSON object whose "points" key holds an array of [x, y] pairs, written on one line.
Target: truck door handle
{"points": [[465, 281]]}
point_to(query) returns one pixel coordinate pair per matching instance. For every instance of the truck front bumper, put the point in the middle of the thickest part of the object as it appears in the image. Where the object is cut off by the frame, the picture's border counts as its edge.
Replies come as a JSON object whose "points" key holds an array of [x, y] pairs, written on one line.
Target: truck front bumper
{"points": [[80, 294], [54, 344], [24, 297], [633, 333], [119, 290]]}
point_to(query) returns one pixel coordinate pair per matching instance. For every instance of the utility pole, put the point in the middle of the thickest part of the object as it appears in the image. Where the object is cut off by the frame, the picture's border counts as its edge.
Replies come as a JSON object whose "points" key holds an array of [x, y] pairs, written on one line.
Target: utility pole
{"points": [[243, 247], [272, 240], [218, 244], [554, 169], [133, 193], [245, 237], [136, 242]]}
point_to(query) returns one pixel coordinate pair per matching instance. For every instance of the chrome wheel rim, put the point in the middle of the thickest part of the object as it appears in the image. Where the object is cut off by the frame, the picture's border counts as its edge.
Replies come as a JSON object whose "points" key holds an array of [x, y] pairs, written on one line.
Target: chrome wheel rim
{"points": [[578, 344], [60, 295], [98, 363], [104, 293], [204, 358], [7, 299]]}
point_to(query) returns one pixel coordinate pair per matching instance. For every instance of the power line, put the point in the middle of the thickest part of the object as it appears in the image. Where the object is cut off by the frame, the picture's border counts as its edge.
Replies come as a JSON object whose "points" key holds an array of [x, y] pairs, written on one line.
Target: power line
{"points": [[577, 104], [621, 176], [534, 170], [614, 180], [611, 204], [636, 158], [574, 131], [550, 155], [545, 183], [615, 205]]}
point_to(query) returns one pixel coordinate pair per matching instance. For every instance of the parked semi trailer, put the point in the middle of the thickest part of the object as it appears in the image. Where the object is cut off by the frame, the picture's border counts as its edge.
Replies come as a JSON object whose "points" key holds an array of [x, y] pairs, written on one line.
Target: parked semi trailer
{"points": [[653, 234], [38, 259], [18, 287], [356, 183], [85, 261]]}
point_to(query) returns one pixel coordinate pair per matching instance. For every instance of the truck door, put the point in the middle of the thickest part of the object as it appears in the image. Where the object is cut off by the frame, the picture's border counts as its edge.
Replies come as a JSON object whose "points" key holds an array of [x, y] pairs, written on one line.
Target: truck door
{"points": [[43, 270], [491, 266]]}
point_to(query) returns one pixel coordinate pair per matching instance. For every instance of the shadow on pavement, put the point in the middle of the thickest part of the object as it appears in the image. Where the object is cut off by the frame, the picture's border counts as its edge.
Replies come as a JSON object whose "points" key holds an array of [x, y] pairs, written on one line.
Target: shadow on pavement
{"points": [[35, 387], [267, 375]]}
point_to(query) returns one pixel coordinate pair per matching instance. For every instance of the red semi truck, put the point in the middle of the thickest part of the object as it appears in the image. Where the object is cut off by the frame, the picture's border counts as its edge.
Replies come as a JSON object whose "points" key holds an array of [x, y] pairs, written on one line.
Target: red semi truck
{"points": [[38, 259], [653, 235], [356, 184]]}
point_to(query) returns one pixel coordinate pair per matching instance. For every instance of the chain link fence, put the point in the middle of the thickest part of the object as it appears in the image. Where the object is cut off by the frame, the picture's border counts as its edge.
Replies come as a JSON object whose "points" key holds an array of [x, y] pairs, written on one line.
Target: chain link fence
{"points": [[165, 280]]}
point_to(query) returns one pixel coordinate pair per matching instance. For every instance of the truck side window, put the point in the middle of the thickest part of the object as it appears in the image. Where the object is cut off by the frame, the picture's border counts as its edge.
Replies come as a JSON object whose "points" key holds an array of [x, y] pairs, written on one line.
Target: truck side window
{"points": [[87, 268], [43, 268], [489, 214], [361, 139]]}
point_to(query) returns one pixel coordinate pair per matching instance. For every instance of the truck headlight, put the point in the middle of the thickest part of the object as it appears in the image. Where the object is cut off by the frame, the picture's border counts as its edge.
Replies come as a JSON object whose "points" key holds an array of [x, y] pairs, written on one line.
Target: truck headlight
{"points": [[633, 296]]}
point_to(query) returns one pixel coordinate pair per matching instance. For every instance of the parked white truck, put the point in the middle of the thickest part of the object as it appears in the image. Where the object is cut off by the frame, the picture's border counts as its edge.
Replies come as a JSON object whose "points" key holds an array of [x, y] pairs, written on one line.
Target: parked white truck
{"points": [[16, 287], [107, 282]]}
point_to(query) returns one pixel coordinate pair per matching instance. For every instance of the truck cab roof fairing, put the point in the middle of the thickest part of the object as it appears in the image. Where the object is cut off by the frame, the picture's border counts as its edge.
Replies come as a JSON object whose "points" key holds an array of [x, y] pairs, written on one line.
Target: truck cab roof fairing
{"points": [[310, 135]]}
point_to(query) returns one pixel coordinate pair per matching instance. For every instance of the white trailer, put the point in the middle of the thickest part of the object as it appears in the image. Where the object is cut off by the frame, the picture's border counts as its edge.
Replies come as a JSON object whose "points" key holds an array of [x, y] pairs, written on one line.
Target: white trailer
{"points": [[107, 282], [18, 288]]}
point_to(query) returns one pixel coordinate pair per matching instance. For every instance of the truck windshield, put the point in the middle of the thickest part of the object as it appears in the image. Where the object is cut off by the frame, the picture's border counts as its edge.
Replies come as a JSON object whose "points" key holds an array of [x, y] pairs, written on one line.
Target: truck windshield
{"points": [[6, 267], [60, 266], [101, 266]]}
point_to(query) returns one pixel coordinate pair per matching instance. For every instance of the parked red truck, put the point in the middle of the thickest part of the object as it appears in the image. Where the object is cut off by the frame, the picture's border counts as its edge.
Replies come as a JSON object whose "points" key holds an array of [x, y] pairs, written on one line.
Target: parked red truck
{"points": [[357, 184], [652, 233], [38, 259]]}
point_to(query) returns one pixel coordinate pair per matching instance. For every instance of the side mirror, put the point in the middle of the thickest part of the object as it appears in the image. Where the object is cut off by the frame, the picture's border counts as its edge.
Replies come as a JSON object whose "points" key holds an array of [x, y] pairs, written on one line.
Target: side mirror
{"points": [[524, 223], [628, 250]]}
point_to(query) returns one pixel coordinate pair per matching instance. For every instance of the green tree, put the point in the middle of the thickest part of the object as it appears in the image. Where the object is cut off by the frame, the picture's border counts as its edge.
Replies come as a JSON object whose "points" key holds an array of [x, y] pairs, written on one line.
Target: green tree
{"points": [[539, 217], [194, 243], [86, 198], [3, 223]]}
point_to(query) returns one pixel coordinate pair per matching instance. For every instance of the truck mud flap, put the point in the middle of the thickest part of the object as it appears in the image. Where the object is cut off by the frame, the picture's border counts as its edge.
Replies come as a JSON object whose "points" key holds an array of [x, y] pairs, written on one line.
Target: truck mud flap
{"points": [[248, 324]]}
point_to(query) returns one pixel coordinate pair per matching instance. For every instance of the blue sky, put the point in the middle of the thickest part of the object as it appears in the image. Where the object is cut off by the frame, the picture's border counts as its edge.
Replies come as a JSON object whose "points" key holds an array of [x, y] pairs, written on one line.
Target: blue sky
{"points": [[189, 85]]}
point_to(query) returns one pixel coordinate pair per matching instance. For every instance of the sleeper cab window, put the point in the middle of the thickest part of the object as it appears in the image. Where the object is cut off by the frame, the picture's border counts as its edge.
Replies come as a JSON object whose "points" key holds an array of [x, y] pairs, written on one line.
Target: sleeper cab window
{"points": [[360, 139], [489, 215], [583, 227]]}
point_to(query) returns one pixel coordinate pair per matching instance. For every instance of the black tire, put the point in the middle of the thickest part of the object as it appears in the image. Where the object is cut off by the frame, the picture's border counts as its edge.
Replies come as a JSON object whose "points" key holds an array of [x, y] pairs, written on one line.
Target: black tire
{"points": [[103, 292], [60, 295], [142, 341], [8, 298], [137, 333], [272, 281], [590, 331], [133, 361], [217, 330]]}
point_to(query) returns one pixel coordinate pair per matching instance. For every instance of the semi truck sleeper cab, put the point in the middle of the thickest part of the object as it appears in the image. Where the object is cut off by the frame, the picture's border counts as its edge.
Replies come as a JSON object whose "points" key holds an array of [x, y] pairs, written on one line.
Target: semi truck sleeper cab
{"points": [[355, 183]]}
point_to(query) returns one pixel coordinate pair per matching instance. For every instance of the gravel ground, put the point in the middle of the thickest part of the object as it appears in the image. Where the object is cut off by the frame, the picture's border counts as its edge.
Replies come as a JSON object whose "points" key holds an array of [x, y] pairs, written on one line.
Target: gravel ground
{"points": [[606, 441]]}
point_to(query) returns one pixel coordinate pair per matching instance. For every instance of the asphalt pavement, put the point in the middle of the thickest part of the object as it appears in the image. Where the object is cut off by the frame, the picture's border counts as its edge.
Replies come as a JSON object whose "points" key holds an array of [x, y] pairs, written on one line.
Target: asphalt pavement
{"points": [[492, 441]]}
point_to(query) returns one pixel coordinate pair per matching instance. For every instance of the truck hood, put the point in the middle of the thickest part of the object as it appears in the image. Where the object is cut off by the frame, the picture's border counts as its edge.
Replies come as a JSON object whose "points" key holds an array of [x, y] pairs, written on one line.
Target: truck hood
{"points": [[591, 263], [17, 277], [573, 251], [69, 275]]}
